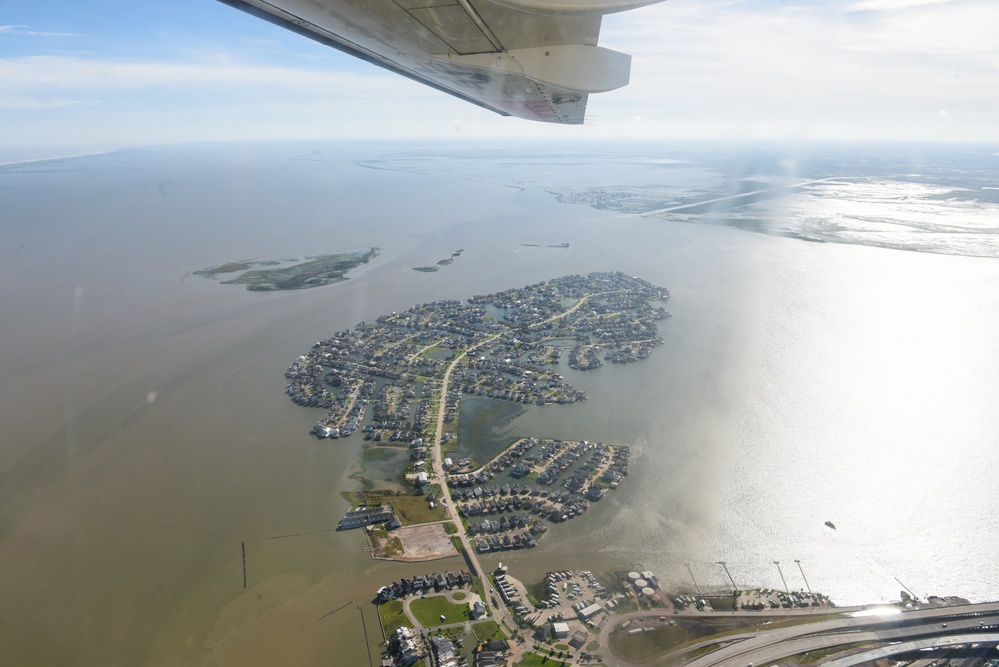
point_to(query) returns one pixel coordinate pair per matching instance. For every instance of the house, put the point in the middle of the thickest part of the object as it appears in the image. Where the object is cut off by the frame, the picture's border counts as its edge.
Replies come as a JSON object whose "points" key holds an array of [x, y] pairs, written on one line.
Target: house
{"points": [[477, 609], [408, 649], [364, 516], [489, 659], [443, 651]]}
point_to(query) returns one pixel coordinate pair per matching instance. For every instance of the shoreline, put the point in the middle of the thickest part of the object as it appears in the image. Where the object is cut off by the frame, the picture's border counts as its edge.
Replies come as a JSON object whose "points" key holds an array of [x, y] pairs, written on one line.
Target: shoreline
{"points": [[55, 158]]}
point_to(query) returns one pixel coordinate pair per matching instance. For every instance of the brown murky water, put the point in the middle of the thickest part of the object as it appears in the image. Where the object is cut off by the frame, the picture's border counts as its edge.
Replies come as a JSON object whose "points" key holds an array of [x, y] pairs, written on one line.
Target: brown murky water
{"points": [[146, 437]]}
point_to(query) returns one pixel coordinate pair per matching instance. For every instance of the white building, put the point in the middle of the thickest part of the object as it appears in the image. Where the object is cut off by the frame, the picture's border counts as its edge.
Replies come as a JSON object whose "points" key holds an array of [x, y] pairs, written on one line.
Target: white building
{"points": [[586, 613], [408, 650]]}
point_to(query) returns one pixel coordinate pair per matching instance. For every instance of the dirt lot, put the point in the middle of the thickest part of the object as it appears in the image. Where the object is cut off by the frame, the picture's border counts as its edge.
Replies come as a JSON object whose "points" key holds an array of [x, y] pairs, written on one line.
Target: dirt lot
{"points": [[423, 542]]}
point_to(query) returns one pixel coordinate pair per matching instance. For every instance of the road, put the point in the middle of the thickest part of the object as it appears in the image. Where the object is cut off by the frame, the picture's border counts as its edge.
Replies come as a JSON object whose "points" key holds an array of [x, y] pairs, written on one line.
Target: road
{"points": [[741, 195], [498, 611], [762, 647]]}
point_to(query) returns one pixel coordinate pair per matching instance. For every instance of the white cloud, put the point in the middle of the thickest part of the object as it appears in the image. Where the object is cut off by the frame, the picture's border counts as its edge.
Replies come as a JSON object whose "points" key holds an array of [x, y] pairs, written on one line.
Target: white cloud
{"points": [[24, 31], [701, 68], [75, 72], [965, 29], [34, 104], [809, 70], [889, 5]]}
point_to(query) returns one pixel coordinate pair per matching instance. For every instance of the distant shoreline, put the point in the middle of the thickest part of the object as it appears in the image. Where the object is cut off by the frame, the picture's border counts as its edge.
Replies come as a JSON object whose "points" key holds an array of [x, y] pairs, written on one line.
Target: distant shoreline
{"points": [[55, 158]]}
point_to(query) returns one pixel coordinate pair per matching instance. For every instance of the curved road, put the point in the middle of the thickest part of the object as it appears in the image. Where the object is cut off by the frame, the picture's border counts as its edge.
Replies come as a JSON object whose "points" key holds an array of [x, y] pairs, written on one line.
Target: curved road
{"points": [[761, 647]]}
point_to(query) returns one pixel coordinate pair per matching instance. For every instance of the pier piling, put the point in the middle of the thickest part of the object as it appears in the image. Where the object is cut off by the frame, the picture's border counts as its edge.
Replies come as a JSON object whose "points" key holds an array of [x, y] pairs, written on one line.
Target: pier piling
{"points": [[364, 626], [243, 544]]}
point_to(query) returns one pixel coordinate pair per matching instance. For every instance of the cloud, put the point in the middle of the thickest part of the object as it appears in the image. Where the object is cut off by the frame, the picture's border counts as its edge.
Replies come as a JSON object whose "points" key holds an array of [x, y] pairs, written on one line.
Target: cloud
{"points": [[35, 104], [890, 5], [59, 72], [701, 68], [23, 31], [807, 68]]}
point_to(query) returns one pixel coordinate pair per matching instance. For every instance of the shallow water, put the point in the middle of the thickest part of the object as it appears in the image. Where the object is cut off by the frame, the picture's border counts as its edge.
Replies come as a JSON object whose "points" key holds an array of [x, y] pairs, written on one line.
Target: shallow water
{"points": [[147, 437]]}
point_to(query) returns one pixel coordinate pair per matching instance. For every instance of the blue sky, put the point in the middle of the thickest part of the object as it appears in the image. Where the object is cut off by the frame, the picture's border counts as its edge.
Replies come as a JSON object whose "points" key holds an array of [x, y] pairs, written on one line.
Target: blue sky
{"points": [[110, 72]]}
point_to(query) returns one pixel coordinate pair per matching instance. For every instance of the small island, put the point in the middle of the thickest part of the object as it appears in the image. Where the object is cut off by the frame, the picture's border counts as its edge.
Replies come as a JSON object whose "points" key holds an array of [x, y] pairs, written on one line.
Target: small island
{"points": [[447, 261], [290, 274]]}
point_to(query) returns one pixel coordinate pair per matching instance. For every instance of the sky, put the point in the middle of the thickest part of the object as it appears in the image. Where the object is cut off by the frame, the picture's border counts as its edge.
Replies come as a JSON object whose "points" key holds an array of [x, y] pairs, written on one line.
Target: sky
{"points": [[118, 72]]}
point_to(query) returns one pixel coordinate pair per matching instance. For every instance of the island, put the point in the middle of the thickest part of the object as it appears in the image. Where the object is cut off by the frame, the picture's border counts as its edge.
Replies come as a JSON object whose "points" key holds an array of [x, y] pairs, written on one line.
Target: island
{"points": [[505, 346], [290, 274], [447, 261], [410, 369]]}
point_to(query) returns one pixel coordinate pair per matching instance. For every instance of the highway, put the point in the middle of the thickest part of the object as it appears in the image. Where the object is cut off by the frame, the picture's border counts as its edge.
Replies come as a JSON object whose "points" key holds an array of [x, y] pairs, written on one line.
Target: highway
{"points": [[790, 188], [937, 625], [948, 641]]}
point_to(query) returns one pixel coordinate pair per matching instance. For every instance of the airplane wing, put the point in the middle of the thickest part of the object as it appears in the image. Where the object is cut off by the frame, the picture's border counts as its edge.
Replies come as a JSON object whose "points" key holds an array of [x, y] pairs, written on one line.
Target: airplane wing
{"points": [[534, 59]]}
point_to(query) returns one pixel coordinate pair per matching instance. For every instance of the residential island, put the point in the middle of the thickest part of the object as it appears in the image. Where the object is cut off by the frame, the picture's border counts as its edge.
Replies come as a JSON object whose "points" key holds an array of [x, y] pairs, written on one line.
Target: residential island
{"points": [[399, 381], [505, 346]]}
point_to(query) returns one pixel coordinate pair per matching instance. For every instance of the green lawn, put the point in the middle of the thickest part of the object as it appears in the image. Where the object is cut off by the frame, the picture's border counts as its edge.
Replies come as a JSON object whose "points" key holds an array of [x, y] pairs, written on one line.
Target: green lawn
{"points": [[488, 630], [410, 509], [477, 587], [535, 592], [535, 660], [393, 616], [429, 610], [642, 646], [378, 453], [814, 656]]}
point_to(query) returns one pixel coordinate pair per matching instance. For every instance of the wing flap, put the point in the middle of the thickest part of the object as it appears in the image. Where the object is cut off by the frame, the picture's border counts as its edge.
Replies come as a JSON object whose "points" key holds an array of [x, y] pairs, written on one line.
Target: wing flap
{"points": [[426, 40], [453, 26]]}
